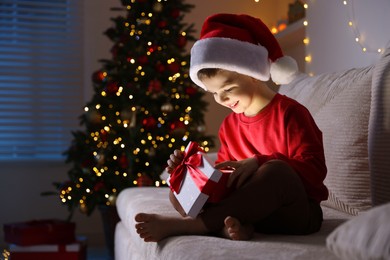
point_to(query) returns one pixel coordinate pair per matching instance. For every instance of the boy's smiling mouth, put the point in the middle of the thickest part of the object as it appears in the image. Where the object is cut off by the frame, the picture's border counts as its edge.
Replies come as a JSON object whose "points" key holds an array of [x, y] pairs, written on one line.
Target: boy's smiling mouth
{"points": [[233, 105]]}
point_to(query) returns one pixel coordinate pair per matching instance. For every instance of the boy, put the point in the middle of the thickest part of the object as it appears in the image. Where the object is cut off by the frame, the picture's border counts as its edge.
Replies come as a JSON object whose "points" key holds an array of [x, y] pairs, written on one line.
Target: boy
{"points": [[270, 141]]}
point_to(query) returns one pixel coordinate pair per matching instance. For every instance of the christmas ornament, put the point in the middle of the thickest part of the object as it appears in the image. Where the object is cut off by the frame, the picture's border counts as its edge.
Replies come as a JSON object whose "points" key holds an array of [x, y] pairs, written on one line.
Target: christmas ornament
{"points": [[160, 67], [174, 67], [133, 121], [112, 87], [167, 108], [157, 7], [123, 161], [149, 122], [144, 180], [98, 77], [101, 159], [154, 86], [112, 199], [178, 128], [103, 135], [153, 48], [181, 41], [175, 13], [142, 60], [162, 24], [99, 186], [190, 90]]}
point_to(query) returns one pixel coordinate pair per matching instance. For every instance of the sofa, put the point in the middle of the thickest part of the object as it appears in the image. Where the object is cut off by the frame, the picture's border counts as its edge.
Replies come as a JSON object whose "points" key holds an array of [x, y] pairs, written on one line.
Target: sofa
{"points": [[352, 108]]}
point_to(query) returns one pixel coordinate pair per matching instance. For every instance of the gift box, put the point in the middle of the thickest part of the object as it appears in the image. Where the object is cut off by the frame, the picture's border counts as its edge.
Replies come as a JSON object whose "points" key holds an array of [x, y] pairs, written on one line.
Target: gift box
{"points": [[195, 180], [39, 232], [72, 251]]}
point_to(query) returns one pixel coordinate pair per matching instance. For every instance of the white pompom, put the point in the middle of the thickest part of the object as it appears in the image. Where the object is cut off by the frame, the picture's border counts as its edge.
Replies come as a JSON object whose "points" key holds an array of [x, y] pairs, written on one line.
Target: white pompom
{"points": [[283, 70]]}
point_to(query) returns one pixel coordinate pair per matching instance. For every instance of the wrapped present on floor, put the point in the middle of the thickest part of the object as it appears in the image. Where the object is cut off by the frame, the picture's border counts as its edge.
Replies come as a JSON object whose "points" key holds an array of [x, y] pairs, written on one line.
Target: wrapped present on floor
{"points": [[195, 181], [39, 232], [73, 251]]}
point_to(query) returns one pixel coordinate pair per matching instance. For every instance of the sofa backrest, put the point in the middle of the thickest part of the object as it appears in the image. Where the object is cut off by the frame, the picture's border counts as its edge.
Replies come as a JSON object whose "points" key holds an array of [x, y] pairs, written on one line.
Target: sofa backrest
{"points": [[379, 131], [352, 109]]}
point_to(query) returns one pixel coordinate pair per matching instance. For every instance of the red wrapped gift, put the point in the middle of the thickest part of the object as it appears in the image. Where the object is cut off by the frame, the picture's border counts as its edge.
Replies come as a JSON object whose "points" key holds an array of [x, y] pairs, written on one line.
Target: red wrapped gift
{"points": [[39, 232], [73, 251], [195, 181]]}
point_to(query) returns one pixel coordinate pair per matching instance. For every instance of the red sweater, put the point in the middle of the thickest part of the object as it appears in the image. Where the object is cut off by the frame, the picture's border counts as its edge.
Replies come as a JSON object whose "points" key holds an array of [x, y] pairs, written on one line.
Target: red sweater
{"points": [[283, 130]]}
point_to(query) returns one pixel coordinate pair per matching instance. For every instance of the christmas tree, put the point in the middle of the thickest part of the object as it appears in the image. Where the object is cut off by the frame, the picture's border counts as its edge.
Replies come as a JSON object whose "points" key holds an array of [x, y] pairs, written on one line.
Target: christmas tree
{"points": [[144, 106]]}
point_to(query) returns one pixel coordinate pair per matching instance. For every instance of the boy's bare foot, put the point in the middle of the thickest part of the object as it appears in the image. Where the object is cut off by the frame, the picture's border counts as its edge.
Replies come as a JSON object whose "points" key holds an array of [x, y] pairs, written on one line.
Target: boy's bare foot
{"points": [[236, 231], [153, 227]]}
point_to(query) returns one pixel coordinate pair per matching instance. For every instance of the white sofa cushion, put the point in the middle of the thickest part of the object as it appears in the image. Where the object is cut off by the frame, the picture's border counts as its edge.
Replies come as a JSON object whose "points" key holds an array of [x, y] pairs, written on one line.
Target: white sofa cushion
{"points": [[379, 131], [364, 237], [340, 105], [129, 246], [352, 108]]}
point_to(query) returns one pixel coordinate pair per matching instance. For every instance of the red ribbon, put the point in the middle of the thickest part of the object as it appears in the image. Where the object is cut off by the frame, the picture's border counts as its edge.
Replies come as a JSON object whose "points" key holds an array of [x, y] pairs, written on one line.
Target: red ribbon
{"points": [[191, 162]]}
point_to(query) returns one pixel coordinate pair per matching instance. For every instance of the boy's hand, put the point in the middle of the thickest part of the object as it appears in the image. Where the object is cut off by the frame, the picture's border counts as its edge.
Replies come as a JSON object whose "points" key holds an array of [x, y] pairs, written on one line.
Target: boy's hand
{"points": [[242, 170], [174, 160]]}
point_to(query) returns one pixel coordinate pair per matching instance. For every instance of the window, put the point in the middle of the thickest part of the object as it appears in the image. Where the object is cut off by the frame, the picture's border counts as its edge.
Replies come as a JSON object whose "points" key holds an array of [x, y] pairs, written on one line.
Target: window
{"points": [[40, 77]]}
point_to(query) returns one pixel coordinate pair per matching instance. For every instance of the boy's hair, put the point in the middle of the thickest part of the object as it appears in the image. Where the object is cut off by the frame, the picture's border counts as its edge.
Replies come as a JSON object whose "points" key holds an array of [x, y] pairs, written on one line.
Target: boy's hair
{"points": [[208, 73]]}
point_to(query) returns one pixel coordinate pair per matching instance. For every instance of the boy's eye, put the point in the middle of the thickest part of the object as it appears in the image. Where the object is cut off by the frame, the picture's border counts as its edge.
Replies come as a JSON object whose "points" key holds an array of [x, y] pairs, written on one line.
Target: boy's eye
{"points": [[228, 90]]}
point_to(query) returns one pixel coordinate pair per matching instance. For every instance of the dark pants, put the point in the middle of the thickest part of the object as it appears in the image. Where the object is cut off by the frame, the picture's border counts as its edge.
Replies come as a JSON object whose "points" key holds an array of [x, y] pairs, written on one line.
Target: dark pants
{"points": [[273, 201]]}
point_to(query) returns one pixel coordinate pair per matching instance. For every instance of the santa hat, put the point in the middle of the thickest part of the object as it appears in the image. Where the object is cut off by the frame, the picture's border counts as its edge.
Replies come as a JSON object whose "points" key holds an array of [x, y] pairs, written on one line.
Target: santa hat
{"points": [[242, 44]]}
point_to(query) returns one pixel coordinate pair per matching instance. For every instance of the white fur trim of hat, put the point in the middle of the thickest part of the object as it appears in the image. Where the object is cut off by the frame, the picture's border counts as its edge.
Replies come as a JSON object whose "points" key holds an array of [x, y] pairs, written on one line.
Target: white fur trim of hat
{"points": [[242, 44]]}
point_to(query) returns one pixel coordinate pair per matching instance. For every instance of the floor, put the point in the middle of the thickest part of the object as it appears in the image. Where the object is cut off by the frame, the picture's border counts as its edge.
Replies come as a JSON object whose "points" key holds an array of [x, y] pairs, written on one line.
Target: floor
{"points": [[93, 253]]}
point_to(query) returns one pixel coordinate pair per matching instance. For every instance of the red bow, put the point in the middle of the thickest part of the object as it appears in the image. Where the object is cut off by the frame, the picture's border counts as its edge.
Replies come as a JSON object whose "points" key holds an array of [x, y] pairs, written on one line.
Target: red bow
{"points": [[191, 161]]}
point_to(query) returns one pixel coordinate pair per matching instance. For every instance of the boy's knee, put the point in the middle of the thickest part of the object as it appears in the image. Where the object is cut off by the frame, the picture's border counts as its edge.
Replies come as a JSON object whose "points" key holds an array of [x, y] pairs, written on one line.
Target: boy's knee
{"points": [[281, 177], [278, 170]]}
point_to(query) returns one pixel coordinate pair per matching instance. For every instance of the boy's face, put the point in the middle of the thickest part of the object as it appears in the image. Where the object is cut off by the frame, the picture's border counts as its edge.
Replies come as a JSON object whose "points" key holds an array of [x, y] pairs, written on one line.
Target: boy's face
{"points": [[233, 90]]}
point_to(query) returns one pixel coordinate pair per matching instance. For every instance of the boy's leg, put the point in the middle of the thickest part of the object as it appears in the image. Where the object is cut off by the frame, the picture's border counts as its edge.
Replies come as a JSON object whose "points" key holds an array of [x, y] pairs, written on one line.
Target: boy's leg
{"points": [[154, 227], [274, 190]]}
